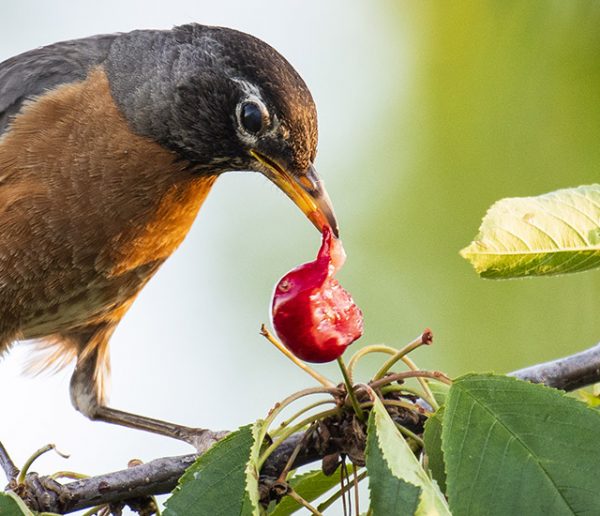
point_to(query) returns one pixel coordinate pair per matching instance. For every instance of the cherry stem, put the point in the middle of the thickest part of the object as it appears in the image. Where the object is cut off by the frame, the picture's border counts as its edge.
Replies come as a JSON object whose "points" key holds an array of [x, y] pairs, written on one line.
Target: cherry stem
{"points": [[302, 411], [93, 511], [398, 403], [424, 338], [335, 496], [434, 375], [291, 493], [356, 496], [355, 405], [320, 378], [416, 392], [407, 405], [288, 466], [407, 433], [73, 475], [403, 388], [375, 348], [293, 429], [424, 384], [37, 454], [276, 410]]}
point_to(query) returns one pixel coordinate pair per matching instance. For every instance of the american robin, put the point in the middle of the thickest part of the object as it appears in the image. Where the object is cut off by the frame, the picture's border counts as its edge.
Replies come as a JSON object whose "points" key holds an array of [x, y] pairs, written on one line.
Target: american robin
{"points": [[108, 147]]}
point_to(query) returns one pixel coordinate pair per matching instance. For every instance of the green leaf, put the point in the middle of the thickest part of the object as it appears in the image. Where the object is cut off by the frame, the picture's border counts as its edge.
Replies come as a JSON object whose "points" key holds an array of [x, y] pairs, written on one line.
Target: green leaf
{"points": [[433, 447], [512, 447], [397, 482], [223, 481], [554, 233], [12, 505], [309, 486]]}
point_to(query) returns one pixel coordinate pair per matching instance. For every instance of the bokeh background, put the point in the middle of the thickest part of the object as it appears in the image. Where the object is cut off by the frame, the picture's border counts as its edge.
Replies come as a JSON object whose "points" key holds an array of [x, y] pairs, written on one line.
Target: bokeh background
{"points": [[429, 112]]}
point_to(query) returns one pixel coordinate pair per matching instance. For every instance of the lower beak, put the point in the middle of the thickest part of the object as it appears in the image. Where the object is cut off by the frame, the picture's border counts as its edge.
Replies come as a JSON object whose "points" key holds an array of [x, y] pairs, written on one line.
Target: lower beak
{"points": [[306, 190]]}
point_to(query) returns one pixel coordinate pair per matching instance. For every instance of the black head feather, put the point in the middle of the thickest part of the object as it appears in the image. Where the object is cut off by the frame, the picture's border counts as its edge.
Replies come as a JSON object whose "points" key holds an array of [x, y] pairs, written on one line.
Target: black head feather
{"points": [[185, 88]]}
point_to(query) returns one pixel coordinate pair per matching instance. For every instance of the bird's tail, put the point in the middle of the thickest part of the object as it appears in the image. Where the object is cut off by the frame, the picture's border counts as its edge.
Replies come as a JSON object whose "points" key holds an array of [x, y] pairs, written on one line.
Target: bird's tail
{"points": [[50, 355]]}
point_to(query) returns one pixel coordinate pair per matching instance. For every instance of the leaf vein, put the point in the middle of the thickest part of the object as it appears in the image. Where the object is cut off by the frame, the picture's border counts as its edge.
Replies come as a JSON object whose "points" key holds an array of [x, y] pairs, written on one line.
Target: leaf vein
{"points": [[523, 444]]}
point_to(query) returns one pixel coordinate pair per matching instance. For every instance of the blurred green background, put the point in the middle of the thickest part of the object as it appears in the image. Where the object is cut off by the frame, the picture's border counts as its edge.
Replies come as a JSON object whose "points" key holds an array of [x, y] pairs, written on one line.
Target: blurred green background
{"points": [[429, 112], [504, 101]]}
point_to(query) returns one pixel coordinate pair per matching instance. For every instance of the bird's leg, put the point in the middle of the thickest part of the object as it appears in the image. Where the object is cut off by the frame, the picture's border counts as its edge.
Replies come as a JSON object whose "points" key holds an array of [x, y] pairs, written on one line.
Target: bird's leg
{"points": [[202, 439], [87, 398]]}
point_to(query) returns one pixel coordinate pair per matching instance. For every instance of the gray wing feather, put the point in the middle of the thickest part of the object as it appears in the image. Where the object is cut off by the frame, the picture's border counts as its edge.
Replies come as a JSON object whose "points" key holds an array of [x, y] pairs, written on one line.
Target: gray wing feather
{"points": [[30, 74]]}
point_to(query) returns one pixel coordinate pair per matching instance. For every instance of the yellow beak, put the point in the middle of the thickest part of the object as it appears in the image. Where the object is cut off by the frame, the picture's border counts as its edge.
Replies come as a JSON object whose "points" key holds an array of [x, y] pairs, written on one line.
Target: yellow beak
{"points": [[306, 190]]}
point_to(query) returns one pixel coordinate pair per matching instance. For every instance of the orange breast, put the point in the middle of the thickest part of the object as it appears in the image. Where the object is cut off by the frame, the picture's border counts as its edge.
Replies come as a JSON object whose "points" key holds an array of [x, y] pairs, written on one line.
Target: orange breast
{"points": [[161, 231], [88, 210]]}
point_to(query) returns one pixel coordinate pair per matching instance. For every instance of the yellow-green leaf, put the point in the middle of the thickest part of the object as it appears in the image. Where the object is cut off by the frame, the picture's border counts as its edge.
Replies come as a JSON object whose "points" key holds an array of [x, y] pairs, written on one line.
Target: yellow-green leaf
{"points": [[397, 482], [554, 233]]}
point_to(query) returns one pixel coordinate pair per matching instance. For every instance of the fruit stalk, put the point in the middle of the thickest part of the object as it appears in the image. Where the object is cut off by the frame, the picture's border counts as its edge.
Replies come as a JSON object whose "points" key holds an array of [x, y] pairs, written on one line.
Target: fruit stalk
{"points": [[351, 394]]}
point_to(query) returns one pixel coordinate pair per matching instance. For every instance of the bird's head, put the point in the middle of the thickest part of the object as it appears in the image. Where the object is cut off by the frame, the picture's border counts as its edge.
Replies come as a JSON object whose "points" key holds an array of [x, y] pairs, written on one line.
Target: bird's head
{"points": [[223, 100]]}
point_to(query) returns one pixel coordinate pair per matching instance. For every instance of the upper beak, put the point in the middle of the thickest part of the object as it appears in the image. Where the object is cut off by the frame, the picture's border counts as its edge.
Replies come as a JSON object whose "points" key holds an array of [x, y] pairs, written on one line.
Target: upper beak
{"points": [[306, 190]]}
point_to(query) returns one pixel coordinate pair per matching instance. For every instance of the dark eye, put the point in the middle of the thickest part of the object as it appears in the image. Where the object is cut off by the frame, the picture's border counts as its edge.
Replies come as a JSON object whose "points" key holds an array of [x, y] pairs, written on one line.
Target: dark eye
{"points": [[251, 117]]}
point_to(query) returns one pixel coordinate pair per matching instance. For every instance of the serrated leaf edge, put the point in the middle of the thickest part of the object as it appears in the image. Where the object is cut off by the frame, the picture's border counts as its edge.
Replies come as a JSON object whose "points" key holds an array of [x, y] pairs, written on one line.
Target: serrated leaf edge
{"points": [[431, 499], [251, 471], [555, 392], [474, 249]]}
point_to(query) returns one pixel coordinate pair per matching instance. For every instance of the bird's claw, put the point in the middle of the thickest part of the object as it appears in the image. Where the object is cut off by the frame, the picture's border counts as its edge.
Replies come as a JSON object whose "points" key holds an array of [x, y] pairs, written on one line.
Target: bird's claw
{"points": [[202, 439]]}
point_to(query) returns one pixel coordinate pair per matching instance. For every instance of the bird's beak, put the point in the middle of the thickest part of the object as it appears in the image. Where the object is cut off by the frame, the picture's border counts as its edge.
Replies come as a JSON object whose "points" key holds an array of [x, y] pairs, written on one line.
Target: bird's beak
{"points": [[306, 190]]}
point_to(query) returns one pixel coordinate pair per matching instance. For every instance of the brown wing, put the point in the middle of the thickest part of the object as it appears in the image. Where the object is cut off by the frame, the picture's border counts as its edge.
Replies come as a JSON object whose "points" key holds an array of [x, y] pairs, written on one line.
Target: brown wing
{"points": [[33, 73]]}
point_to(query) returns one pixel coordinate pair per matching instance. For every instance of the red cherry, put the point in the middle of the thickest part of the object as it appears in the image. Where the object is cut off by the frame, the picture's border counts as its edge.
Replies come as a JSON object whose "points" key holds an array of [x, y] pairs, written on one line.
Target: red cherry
{"points": [[313, 316]]}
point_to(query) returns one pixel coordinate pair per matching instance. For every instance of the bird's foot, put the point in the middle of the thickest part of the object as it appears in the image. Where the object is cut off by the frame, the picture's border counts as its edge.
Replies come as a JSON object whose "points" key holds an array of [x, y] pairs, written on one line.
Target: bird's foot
{"points": [[202, 439]]}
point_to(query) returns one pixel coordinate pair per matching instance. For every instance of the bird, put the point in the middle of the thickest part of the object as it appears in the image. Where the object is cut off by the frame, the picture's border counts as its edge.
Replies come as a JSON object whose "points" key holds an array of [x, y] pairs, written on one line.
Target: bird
{"points": [[108, 147]]}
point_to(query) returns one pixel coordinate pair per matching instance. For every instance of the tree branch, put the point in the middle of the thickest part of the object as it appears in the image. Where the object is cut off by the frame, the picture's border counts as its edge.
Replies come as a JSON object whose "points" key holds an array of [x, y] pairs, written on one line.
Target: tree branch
{"points": [[160, 476], [156, 477], [7, 464], [568, 373]]}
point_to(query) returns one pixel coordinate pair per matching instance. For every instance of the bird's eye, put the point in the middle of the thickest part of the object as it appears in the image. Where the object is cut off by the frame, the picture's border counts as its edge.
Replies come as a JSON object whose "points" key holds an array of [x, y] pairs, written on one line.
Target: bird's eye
{"points": [[251, 117]]}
